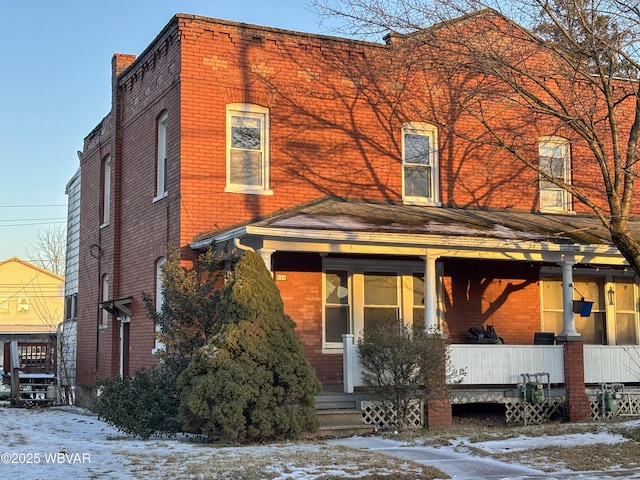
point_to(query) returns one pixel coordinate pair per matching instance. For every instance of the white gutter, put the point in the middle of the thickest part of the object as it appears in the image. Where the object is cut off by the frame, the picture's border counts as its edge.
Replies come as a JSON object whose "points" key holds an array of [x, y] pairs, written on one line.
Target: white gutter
{"points": [[422, 241]]}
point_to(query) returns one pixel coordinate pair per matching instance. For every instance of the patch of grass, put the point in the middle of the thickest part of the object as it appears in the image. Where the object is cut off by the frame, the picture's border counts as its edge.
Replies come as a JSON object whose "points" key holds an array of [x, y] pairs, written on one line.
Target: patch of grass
{"points": [[623, 455], [320, 462]]}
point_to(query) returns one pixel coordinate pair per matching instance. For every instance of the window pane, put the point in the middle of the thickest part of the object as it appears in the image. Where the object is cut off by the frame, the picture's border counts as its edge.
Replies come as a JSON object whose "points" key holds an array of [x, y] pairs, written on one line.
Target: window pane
{"points": [[381, 289], [625, 329], [336, 287], [552, 294], [551, 198], [417, 181], [23, 305], [373, 316], [624, 296], [336, 323], [591, 328], [245, 133], [416, 148], [553, 322], [418, 319], [246, 167], [418, 289]]}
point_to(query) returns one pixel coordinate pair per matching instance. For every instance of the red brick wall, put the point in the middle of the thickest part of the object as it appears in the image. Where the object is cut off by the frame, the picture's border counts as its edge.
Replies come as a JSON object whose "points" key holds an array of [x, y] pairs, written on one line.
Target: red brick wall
{"points": [[503, 294], [330, 134], [299, 278]]}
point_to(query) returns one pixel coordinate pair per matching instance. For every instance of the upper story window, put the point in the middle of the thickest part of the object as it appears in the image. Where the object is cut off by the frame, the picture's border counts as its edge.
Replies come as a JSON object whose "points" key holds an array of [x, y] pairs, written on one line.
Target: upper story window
{"points": [[161, 165], [247, 149], [23, 305], [420, 163], [106, 191], [71, 307], [555, 161]]}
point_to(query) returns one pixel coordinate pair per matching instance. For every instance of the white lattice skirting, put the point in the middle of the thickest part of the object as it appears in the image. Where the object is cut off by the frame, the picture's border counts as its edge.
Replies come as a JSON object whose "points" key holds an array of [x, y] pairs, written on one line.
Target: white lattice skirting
{"points": [[628, 404], [517, 411], [375, 413]]}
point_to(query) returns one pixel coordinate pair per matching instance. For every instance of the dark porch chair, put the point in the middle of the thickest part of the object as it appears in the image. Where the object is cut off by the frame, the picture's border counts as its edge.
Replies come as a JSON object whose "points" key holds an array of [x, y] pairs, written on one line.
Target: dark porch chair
{"points": [[544, 338]]}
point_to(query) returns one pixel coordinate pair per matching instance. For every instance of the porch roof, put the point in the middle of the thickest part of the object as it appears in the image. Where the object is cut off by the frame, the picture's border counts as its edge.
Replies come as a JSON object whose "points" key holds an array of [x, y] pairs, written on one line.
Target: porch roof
{"points": [[335, 225]]}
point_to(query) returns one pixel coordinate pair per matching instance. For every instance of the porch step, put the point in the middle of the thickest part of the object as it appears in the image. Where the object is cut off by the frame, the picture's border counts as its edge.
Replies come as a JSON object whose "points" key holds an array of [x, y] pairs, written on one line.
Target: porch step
{"points": [[340, 418], [340, 423], [336, 401]]}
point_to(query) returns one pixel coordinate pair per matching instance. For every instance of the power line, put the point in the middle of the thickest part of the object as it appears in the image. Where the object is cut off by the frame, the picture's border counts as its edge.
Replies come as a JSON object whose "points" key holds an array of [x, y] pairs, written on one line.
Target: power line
{"points": [[33, 219], [35, 205], [35, 223]]}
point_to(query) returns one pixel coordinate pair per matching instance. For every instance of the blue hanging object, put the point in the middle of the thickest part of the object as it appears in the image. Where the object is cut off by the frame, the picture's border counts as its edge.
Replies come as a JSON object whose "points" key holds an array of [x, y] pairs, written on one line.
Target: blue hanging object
{"points": [[582, 307]]}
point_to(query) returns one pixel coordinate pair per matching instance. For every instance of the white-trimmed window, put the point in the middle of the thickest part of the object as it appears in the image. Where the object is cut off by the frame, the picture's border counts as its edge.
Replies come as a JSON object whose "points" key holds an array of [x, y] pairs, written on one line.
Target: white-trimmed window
{"points": [[23, 305], [555, 161], [359, 294], [247, 149], [106, 191], [159, 300], [105, 297], [420, 164], [161, 163], [613, 319]]}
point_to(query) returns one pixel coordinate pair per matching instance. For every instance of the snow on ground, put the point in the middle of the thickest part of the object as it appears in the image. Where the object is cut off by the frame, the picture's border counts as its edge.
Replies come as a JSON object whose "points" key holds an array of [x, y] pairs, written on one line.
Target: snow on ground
{"points": [[69, 443]]}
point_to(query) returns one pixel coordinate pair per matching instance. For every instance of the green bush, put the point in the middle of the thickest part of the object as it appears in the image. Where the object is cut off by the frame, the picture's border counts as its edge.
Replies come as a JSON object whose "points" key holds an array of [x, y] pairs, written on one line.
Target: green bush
{"points": [[143, 405], [250, 382]]}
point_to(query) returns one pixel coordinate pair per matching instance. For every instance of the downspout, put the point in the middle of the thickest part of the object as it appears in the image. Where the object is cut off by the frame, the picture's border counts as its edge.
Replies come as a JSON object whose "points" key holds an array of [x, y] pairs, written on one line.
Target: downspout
{"points": [[263, 252], [240, 246]]}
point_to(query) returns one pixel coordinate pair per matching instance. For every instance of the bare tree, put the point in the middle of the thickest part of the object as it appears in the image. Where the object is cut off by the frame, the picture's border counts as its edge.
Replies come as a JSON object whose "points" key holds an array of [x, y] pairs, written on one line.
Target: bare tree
{"points": [[501, 77], [49, 250]]}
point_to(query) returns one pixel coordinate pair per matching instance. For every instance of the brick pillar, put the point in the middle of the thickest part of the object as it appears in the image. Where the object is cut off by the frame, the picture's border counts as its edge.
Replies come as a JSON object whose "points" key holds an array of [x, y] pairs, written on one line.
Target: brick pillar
{"points": [[437, 409], [577, 403], [438, 414]]}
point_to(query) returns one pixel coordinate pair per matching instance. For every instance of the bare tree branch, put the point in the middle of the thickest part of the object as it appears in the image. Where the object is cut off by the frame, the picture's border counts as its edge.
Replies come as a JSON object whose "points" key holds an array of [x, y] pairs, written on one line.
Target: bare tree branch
{"points": [[49, 250]]}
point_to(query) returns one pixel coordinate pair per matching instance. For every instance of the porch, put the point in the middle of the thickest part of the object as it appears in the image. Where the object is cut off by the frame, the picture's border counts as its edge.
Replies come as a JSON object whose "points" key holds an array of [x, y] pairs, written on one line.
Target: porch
{"points": [[493, 374]]}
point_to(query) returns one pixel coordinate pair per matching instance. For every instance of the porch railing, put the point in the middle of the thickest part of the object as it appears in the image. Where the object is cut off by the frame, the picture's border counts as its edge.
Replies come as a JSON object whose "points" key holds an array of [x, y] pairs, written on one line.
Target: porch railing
{"points": [[504, 364], [481, 364], [611, 363]]}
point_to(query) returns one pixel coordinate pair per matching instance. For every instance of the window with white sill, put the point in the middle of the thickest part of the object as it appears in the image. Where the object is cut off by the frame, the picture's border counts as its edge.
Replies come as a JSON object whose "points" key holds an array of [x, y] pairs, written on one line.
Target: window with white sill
{"points": [[247, 149], [555, 166], [420, 164]]}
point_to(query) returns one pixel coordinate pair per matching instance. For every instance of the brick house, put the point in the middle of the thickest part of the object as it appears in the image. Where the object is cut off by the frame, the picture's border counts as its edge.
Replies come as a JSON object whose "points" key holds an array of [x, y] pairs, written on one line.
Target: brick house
{"points": [[222, 133]]}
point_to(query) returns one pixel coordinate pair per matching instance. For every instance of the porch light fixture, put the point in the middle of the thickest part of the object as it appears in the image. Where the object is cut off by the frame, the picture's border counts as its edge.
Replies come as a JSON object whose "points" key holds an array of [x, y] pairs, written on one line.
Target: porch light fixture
{"points": [[611, 294]]}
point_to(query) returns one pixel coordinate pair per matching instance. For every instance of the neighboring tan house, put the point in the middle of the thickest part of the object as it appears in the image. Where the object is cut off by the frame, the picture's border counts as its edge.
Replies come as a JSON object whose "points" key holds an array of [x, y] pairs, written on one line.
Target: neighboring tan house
{"points": [[226, 134], [31, 304]]}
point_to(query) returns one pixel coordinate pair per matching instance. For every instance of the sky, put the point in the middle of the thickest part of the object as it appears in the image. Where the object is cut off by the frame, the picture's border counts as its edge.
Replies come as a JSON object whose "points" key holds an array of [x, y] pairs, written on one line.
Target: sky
{"points": [[55, 87]]}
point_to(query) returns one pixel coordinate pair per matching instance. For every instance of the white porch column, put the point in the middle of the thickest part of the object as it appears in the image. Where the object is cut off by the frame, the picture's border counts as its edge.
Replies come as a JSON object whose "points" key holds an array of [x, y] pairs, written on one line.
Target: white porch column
{"points": [[430, 295], [266, 254], [569, 329]]}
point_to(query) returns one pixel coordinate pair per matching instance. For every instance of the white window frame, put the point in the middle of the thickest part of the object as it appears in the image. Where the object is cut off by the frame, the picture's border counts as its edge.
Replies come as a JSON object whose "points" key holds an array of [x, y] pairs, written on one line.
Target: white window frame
{"points": [[610, 281], [356, 270], [560, 145], [158, 345], [262, 114], [105, 296], [430, 131], [106, 191], [161, 162]]}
